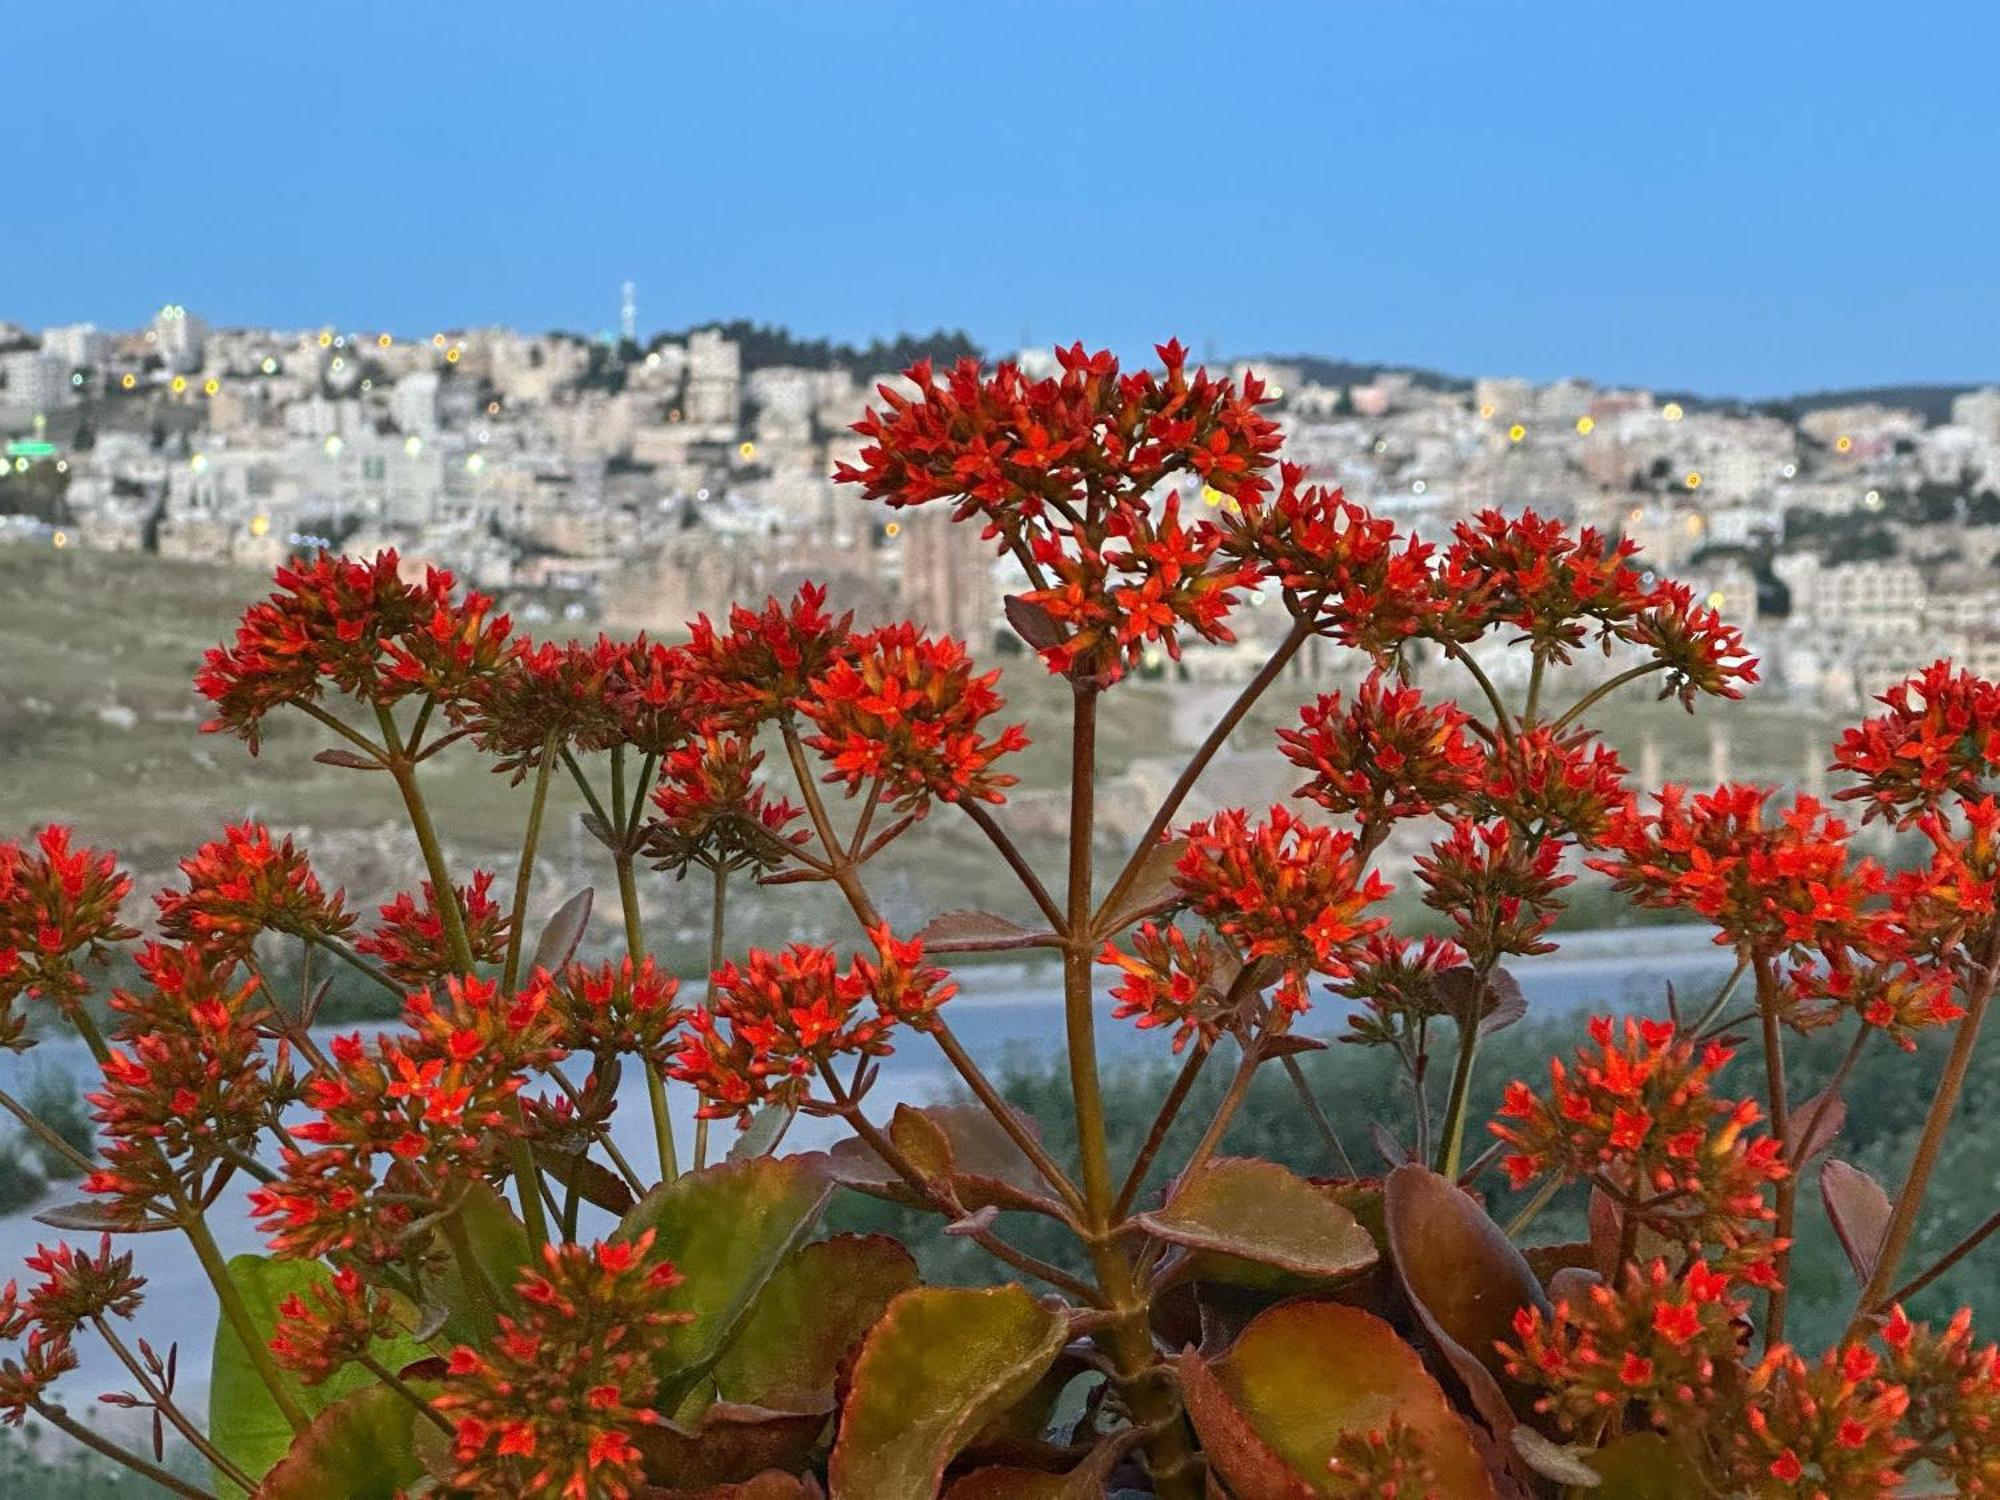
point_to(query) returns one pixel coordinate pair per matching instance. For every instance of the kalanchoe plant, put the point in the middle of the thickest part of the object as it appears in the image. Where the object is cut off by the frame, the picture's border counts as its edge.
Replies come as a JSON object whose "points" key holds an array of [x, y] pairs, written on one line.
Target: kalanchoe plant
{"points": [[472, 1290]]}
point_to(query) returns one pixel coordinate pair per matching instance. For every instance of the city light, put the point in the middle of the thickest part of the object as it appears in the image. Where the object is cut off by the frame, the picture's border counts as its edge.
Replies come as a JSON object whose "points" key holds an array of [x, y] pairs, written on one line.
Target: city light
{"points": [[893, 529], [383, 341], [333, 445], [451, 356], [1693, 480], [1672, 411], [1211, 496], [178, 384], [126, 382], [1842, 443], [1873, 499], [1417, 488], [746, 450], [199, 463], [210, 386], [1790, 471], [413, 445], [270, 366], [259, 524], [475, 462], [1486, 412], [1584, 425], [325, 339], [1516, 433], [59, 540], [1717, 599]]}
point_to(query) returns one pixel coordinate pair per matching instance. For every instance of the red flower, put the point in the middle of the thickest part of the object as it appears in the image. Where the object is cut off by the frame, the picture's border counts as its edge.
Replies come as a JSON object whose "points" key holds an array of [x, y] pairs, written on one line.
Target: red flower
{"points": [[788, 1015], [1821, 1430], [330, 1326], [411, 944], [1401, 983], [1061, 471], [1700, 651], [713, 812], [1386, 755], [1662, 1343], [615, 1008], [548, 1406], [188, 1086], [1637, 1113], [1939, 739], [906, 708], [354, 626], [1170, 982], [1551, 586], [763, 664], [58, 907], [1768, 887], [1381, 1461], [1498, 888], [242, 885], [1552, 785], [1285, 890], [78, 1287]]}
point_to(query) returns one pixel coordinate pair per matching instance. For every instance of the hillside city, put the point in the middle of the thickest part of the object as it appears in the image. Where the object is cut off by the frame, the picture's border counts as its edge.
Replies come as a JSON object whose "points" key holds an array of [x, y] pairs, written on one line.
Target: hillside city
{"points": [[603, 483]]}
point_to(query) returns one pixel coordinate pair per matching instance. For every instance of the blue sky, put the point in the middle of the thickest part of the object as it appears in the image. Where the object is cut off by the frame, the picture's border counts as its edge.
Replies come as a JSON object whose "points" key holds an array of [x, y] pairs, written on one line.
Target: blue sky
{"points": [[1748, 197]]}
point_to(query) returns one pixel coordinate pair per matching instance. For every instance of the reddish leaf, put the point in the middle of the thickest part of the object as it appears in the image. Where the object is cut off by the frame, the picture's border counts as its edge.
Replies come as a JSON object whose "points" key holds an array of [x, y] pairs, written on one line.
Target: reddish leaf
{"points": [[961, 1141], [96, 1217], [595, 1183], [1825, 1115], [1032, 622], [1859, 1211], [1466, 1281], [775, 1485], [564, 931], [1387, 1146], [1152, 889], [1259, 1211], [730, 1443], [348, 760], [1303, 1375], [979, 932], [940, 1365], [359, 1448]]}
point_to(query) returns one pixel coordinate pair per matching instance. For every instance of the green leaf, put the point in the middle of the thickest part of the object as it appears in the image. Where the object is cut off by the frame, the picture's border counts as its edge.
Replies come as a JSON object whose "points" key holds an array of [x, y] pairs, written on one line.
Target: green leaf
{"points": [[1301, 1376], [812, 1314], [360, 1448], [766, 1128], [244, 1422], [940, 1365], [499, 1248], [1641, 1466], [729, 1229], [1259, 1211], [1466, 1281]]}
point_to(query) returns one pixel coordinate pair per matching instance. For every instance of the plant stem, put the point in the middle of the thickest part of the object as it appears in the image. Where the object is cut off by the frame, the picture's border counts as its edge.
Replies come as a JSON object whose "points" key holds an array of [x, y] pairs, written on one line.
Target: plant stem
{"points": [[524, 873], [1780, 1106], [1016, 861], [1533, 1207], [356, 962], [402, 1388], [1946, 1261], [1502, 724], [656, 1088], [1937, 1122], [45, 1133], [1311, 1102], [230, 1297], [1603, 690], [1728, 988], [165, 1406], [443, 893], [1218, 736], [62, 1421], [1451, 1137], [718, 912], [1170, 1110]]}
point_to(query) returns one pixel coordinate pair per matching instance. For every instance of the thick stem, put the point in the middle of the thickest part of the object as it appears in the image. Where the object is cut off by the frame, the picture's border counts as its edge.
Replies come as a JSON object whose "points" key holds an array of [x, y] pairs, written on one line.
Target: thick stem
{"points": [[444, 894], [1451, 1137], [62, 1421], [1937, 1123], [718, 914], [237, 1312], [656, 1088]]}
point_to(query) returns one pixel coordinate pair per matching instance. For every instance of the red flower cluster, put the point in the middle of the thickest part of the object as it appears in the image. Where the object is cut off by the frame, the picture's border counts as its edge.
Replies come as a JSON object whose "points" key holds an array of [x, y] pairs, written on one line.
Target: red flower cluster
{"points": [[331, 1325], [1549, 784], [1666, 1342], [580, 697], [45, 1358], [411, 943], [58, 907], [1768, 887], [357, 627], [713, 812], [1170, 982], [1939, 739], [243, 884], [548, 1407], [905, 708], [1060, 470], [1551, 586], [1380, 1462], [790, 1014], [78, 1287], [1637, 1114], [1498, 888], [434, 1101], [765, 662], [1385, 755], [1397, 980], [1284, 889], [613, 1009], [1834, 1427], [1347, 572], [188, 1087]]}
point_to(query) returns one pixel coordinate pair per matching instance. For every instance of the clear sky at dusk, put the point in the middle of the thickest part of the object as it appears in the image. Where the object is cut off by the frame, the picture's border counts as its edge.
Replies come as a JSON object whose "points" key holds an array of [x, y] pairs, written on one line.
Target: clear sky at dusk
{"points": [[1740, 197]]}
